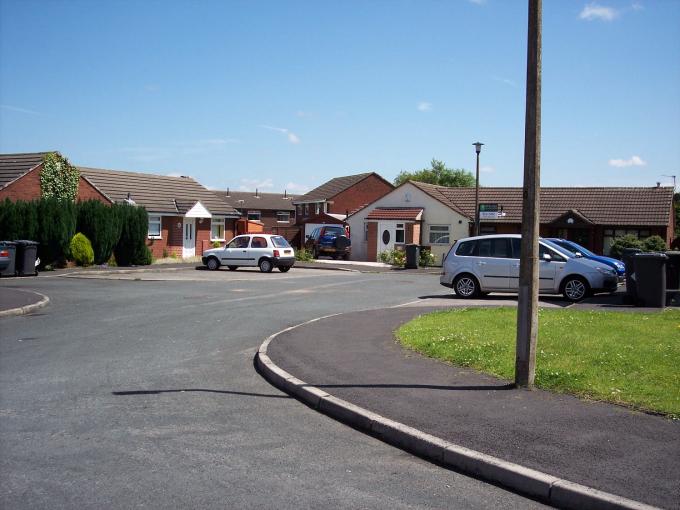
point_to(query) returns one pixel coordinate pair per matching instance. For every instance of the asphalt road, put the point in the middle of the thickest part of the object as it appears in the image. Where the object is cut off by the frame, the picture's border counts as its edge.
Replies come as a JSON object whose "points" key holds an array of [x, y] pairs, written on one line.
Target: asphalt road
{"points": [[142, 393]]}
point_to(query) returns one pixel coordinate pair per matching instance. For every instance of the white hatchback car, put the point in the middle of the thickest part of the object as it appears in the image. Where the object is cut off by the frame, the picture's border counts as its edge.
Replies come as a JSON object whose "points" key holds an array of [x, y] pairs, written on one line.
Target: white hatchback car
{"points": [[265, 251], [478, 265]]}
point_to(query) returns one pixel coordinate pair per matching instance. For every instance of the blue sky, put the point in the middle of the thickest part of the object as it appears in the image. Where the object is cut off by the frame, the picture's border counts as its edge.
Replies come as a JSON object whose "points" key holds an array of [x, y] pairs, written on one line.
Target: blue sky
{"points": [[288, 94]]}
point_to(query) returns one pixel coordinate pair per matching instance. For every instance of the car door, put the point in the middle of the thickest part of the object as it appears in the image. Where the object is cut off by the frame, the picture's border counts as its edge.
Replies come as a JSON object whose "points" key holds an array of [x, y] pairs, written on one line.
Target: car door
{"points": [[493, 263], [236, 252], [550, 270], [258, 249]]}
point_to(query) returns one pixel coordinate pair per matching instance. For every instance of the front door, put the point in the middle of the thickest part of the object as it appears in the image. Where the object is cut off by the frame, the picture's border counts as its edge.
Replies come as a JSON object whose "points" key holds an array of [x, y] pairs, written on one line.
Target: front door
{"points": [[189, 230], [386, 235]]}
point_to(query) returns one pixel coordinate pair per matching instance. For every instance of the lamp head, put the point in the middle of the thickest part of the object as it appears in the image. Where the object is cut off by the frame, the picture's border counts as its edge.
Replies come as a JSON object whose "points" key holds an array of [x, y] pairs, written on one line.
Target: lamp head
{"points": [[478, 147]]}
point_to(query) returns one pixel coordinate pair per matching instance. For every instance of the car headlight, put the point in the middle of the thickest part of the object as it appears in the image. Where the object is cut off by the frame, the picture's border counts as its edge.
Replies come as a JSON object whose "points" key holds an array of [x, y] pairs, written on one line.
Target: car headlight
{"points": [[608, 271]]}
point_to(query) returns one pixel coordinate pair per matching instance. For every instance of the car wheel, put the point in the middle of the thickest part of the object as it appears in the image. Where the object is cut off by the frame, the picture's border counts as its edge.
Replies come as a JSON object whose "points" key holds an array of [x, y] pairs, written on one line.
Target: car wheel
{"points": [[466, 286], [345, 256], [213, 264], [284, 269], [266, 266], [232, 268], [315, 253], [575, 288]]}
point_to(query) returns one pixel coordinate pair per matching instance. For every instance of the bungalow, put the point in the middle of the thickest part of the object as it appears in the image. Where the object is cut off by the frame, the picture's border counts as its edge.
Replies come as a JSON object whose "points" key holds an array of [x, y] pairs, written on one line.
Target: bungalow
{"points": [[334, 200], [184, 217], [20, 179], [437, 216]]}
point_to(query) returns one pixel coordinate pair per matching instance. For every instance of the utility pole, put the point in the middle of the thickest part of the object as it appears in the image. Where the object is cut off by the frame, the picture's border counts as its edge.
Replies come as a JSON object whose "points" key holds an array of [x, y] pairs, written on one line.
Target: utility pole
{"points": [[478, 149], [527, 309]]}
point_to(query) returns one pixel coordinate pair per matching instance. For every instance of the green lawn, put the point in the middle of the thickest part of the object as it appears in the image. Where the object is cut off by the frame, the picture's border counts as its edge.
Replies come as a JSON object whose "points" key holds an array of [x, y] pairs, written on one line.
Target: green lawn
{"points": [[626, 358]]}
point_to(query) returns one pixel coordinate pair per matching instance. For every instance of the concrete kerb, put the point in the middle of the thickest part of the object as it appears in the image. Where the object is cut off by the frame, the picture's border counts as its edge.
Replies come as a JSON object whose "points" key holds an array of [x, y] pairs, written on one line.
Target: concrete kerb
{"points": [[23, 310], [542, 486]]}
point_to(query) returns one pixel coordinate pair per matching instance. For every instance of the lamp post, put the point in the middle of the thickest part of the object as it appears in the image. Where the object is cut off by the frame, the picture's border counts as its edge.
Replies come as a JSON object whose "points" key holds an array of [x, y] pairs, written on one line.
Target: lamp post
{"points": [[478, 149]]}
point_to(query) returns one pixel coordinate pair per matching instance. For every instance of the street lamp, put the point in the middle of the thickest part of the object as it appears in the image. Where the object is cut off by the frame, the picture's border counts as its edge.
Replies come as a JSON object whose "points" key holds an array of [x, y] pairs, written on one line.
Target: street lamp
{"points": [[478, 149]]}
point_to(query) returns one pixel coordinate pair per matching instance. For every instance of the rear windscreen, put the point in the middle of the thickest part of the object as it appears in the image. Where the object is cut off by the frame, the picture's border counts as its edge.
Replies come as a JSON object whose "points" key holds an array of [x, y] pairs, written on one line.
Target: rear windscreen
{"points": [[339, 231], [280, 242]]}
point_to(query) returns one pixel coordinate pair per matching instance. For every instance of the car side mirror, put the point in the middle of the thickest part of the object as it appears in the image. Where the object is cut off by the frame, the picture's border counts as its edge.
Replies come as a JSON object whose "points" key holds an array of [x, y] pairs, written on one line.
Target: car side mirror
{"points": [[578, 254], [307, 236], [547, 257]]}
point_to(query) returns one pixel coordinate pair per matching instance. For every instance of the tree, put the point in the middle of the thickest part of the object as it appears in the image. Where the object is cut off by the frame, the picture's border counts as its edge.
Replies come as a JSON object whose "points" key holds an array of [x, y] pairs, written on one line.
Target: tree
{"points": [[102, 225], [438, 174], [59, 179], [676, 208]]}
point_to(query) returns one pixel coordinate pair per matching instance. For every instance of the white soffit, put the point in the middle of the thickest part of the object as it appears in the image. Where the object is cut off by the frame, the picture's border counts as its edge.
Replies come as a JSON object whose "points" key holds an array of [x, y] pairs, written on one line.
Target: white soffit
{"points": [[198, 211]]}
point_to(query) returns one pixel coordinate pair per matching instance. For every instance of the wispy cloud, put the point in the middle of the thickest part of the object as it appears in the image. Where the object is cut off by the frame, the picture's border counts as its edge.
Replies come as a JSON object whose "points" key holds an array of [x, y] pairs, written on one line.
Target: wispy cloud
{"points": [[594, 11], [292, 137], [633, 161], [424, 106], [487, 169], [18, 109], [218, 141], [477, 2], [150, 154], [253, 184], [294, 187], [507, 81], [151, 87], [637, 6], [303, 114]]}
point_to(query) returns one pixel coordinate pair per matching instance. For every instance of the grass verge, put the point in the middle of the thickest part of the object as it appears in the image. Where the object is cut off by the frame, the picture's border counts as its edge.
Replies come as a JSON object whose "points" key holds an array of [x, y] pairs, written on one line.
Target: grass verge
{"points": [[631, 359]]}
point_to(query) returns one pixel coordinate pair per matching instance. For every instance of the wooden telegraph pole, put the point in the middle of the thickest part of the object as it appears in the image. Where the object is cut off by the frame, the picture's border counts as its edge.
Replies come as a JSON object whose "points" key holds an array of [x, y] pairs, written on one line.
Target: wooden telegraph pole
{"points": [[527, 310]]}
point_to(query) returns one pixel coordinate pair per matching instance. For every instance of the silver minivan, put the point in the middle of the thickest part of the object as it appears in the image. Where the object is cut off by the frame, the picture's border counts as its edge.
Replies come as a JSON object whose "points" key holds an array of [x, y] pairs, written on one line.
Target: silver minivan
{"points": [[478, 265]]}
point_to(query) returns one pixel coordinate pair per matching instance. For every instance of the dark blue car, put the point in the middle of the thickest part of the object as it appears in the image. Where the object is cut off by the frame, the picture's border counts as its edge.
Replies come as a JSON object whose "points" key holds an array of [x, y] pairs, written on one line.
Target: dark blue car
{"points": [[577, 250]]}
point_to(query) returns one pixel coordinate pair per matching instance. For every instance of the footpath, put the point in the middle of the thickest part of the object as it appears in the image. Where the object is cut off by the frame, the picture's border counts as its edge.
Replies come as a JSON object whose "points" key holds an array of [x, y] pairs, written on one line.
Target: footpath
{"points": [[556, 448]]}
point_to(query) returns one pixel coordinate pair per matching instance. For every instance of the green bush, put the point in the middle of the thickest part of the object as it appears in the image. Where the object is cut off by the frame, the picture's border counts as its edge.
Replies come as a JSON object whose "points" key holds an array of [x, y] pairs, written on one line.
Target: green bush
{"points": [[131, 248], [629, 241], [303, 255], [81, 250], [101, 224], [56, 227], [426, 257], [654, 243], [393, 257], [216, 244]]}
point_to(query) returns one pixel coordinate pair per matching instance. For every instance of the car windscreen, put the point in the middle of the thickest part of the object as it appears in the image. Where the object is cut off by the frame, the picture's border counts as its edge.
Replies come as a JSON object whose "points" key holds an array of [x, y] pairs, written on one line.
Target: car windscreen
{"points": [[559, 249], [280, 242], [334, 231]]}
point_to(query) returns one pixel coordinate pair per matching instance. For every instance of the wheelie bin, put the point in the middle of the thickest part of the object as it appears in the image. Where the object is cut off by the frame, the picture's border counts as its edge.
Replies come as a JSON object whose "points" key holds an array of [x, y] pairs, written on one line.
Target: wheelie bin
{"points": [[27, 251]]}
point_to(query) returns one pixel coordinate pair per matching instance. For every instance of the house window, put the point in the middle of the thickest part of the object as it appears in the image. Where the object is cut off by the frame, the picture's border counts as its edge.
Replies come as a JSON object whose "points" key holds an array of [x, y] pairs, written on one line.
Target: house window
{"points": [[154, 227], [399, 233], [317, 208], [365, 231], [283, 217], [487, 230], [306, 209], [217, 229], [439, 234], [254, 215]]}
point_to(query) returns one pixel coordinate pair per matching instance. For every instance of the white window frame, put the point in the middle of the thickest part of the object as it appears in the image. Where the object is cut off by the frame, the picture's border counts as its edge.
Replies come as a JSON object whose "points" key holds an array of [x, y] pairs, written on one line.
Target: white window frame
{"points": [[401, 227], [445, 229], [365, 231], [258, 213], [155, 219], [317, 208], [281, 213], [217, 222]]}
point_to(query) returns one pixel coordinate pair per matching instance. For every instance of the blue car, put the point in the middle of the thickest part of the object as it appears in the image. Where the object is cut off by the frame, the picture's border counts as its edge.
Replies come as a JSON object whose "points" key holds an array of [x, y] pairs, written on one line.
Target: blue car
{"points": [[577, 250]]}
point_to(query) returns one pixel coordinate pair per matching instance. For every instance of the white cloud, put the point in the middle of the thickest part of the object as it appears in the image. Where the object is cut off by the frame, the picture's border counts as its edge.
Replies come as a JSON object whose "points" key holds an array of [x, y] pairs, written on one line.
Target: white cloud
{"points": [[477, 2], [505, 80], [594, 11], [174, 174], [424, 106], [292, 137], [252, 184], [637, 6], [17, 109], [633, 161], [293, 187], [151, 87], [302, 114], [487, 169], [218, 141]]}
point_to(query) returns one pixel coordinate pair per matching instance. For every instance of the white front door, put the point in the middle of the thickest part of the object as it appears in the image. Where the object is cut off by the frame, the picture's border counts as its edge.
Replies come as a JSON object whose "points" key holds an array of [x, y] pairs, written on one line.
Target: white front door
{"points": [[386, 235], [189, 233]]}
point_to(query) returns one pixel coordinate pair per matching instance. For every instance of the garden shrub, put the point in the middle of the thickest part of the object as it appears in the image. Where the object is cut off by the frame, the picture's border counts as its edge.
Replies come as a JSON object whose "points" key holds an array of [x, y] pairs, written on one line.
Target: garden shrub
{"points": [[131, 248], [654, 243], [426, 257], [56, 227], [81, 250], [303, 255], [101, 224], [620, 243], [216, 244], [59, 179]]}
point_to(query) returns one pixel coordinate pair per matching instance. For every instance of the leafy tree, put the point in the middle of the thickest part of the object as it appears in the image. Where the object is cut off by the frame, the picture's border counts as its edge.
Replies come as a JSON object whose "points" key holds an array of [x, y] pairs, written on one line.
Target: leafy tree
{"points": [[438, 174]]}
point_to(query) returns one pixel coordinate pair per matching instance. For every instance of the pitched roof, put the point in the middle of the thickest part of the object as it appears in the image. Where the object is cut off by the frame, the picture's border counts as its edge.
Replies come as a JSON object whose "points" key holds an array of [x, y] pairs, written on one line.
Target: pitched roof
{"points": [[333, 187], [158, 193], [396, 213], [601, 205], [263, 201], [13, 166]]}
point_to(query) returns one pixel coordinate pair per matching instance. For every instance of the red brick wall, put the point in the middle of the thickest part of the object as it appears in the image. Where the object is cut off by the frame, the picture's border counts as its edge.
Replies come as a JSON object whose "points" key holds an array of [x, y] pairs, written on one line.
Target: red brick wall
{"points": [[372, 242], [362, 193], [202, 235], [28, 188]]}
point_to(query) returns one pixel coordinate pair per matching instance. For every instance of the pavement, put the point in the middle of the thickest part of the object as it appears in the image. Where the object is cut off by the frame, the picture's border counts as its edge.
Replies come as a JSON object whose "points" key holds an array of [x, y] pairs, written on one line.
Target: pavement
{"points": [[556, 448]]}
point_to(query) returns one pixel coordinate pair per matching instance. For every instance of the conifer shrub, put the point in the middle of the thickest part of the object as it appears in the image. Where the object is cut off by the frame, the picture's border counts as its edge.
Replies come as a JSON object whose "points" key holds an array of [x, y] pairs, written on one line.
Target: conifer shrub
{"points": [[131, 248], [81, 250], [101, 224]]}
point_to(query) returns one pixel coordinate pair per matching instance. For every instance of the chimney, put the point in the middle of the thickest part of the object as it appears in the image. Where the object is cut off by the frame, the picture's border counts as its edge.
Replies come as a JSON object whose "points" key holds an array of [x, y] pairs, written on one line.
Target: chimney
{"points": [[228, 192]]}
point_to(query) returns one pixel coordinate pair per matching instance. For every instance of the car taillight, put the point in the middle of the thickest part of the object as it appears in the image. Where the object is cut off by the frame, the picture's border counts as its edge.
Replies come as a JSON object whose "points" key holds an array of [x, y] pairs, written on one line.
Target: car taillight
{"points": [[4, 253], [276, 253]]}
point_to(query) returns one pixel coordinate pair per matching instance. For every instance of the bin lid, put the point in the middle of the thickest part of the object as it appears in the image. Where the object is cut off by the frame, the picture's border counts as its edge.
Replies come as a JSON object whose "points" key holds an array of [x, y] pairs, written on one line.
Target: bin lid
{"points": [[659, 256], [25, 242], [8, 243]]}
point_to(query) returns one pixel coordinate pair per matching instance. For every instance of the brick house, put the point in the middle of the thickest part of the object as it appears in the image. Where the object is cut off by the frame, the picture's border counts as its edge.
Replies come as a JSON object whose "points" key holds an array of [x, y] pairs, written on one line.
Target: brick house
{"points": [[437, 216], [334, 200], [275, 211], [185, 218], [20, 179]]}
